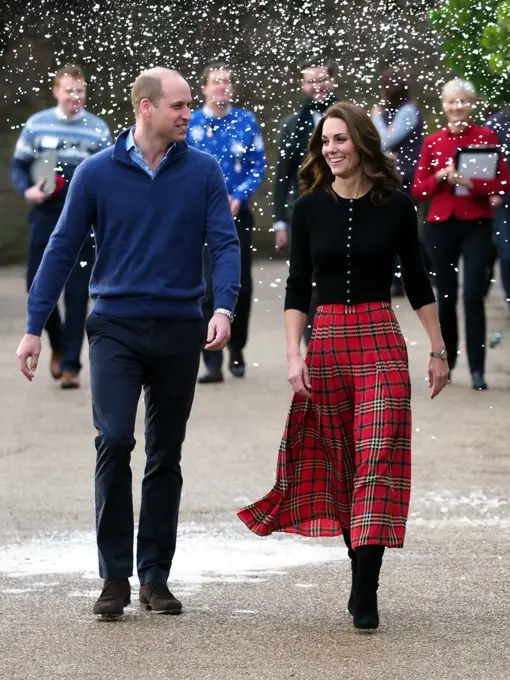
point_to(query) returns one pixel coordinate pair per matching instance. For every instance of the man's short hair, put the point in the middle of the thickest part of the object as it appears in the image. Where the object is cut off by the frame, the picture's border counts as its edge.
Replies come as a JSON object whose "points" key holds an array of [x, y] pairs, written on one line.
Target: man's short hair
{"points": [[214, 66], [146, 86], [307, 64], [71, 70]]}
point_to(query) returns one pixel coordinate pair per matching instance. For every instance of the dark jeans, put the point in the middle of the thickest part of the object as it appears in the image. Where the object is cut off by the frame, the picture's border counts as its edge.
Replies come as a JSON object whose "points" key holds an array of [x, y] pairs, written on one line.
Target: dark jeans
{"points": [[239, 330], [66, 335], [504, 267], [161, 356], [502, 228], [449, 241]]}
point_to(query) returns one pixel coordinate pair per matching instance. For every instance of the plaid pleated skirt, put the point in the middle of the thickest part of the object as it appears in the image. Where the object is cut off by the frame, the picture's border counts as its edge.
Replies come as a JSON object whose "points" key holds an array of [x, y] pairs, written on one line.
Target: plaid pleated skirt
{"points": [[345, 456]]}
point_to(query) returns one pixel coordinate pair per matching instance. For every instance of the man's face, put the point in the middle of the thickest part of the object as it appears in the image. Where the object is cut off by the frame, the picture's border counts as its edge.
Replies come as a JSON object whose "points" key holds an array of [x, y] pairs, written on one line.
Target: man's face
{"points": [[71, 95], [169, 118], [219, 89], [317, 83]]}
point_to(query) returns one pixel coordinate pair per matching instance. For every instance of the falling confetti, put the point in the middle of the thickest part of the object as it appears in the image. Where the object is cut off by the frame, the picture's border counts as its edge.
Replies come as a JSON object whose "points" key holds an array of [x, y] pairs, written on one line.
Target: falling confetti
{"points": [[263, 41]]}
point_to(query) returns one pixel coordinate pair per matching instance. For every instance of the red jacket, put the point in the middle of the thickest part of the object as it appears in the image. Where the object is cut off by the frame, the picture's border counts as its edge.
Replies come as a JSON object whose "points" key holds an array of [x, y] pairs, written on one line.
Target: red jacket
{"points": [[437, 152]]}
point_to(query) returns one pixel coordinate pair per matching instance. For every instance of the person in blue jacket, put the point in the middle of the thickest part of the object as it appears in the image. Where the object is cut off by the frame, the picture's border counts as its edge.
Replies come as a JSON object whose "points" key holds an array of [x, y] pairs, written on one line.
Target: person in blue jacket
{"points": [[500, 123], [233, 137], [152, 202], [66, 134]]}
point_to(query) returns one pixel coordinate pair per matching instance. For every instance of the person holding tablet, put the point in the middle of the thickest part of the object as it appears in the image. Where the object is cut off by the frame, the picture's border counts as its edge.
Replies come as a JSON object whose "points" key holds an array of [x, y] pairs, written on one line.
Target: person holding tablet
{"points": [[459, 224]]}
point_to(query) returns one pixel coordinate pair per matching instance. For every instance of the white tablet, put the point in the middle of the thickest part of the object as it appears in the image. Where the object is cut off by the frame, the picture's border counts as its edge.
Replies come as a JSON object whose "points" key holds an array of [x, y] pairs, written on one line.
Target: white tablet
{"points": [[476, 162], [44, 168]]}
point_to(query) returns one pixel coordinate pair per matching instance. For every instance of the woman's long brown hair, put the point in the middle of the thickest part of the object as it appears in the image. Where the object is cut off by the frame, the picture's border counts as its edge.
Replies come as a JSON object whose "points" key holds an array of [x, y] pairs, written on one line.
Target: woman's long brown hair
{"points": [[377, 166]]}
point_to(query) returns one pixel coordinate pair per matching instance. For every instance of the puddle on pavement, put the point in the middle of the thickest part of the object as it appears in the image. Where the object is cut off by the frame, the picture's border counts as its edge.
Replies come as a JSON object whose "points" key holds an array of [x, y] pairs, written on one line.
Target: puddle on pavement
{"points": [[225, 553], [204, 555]]}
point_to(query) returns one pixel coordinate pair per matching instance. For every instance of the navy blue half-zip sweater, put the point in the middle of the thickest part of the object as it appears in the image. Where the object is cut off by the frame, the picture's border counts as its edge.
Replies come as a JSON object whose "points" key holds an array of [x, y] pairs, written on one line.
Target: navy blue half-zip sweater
{"points": [[149, 236]]}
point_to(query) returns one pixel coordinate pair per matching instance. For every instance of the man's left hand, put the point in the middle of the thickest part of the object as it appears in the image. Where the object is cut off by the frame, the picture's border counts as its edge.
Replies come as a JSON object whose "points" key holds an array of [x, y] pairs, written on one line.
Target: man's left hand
{"points": [[218, 332], [235, 206]]}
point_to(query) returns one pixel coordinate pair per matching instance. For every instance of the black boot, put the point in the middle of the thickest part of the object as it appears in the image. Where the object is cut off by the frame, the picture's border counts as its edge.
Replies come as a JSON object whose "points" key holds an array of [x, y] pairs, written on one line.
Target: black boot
{"points": [[369, 560], [352, 554]]}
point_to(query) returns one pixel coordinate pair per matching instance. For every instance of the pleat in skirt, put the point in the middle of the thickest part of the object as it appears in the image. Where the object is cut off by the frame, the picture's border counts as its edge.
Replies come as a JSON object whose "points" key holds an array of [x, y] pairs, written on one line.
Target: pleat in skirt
{"points": [[345, 456]]}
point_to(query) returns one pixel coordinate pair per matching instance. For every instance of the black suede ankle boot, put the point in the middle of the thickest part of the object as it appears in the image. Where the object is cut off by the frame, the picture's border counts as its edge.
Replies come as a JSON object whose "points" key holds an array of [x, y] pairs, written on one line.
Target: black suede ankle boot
{"points": [[368, 567], [347, 538]]}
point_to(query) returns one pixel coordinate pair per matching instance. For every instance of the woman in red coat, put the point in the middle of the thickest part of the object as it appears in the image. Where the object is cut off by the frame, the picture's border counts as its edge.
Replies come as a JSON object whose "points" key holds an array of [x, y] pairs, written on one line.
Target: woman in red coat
{"points": [[459, 226]]}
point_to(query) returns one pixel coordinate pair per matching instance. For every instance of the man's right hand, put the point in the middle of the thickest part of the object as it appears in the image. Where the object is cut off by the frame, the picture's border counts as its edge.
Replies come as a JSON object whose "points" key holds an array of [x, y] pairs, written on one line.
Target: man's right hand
{"points": [[35, 194], [27, 355], [280, 239]]}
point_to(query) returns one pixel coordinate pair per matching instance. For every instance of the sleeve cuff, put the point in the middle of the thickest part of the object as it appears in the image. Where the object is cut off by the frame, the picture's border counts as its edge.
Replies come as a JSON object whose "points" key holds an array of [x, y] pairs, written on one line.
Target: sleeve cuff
{"points": [[241, 194], [422, 300], [34, 327], [226, 302]]}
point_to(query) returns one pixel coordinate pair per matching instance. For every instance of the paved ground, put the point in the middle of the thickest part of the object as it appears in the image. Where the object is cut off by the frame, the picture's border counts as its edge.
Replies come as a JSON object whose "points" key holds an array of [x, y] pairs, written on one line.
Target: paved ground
{"points": [[261, 609]]}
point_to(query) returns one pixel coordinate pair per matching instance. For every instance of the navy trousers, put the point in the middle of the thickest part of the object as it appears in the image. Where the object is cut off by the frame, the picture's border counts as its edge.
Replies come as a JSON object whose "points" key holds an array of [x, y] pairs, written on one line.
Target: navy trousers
{"points": [[65, 335], [239, 330], [161, 357]]}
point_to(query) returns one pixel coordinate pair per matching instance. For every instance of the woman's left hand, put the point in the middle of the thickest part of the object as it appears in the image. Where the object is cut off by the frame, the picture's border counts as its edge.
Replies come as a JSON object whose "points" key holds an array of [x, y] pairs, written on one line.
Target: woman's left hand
{"points": [[438, 375], [455, 177]]}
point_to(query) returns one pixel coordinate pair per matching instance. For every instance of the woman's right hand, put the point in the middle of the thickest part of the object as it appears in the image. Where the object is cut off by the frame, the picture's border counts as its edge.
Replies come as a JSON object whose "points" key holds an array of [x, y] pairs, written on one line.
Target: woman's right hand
{"points": [[298, 375], [444, 174]]}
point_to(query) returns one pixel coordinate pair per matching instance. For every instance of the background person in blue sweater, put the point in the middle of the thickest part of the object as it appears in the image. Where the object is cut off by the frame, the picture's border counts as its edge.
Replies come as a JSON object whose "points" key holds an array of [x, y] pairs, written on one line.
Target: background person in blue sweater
{"points": [[233, 137], [66, 134], [152, 203]]}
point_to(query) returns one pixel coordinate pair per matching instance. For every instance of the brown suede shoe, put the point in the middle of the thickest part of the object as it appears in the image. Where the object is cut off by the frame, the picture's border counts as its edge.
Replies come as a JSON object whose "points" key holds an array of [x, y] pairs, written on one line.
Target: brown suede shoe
{"points": [[55, 368], [70, 380], [157, 598], [114, 597]]}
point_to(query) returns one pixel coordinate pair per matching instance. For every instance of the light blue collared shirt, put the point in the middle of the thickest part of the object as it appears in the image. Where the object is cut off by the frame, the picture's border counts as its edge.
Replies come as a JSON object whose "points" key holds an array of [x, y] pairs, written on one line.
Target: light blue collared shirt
{"points": [[135, 154]]}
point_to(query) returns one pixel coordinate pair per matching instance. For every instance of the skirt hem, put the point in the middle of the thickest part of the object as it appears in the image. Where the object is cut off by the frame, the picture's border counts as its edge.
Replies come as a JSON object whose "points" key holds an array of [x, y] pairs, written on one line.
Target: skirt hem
{"points": [[263, 530]]}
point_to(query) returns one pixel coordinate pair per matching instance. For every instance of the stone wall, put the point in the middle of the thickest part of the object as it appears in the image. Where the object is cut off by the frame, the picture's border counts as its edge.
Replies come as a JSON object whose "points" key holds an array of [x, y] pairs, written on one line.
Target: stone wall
{"points": [[261, 39]]}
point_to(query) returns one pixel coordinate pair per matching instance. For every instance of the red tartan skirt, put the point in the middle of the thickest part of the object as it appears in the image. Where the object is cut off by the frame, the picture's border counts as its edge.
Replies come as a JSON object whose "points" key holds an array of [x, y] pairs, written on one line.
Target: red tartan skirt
{"points": [[345, 456]]}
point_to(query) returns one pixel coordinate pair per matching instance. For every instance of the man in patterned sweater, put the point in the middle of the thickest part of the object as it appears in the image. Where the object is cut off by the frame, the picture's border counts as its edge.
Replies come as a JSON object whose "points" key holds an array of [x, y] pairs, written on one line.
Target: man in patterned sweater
{"points": [[60, 138], [232, 136]]}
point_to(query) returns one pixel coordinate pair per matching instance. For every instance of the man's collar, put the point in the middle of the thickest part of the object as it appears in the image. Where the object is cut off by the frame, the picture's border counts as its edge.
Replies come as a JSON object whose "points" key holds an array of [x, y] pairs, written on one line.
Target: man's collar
{"points": [[130, 139], [131, 144], [62, 116], [208, 113]]}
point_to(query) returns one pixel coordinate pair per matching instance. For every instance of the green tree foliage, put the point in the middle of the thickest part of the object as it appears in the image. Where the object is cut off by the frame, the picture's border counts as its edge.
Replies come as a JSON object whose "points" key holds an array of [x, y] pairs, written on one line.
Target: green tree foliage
{"points": [[475, 36], [496, 41]]}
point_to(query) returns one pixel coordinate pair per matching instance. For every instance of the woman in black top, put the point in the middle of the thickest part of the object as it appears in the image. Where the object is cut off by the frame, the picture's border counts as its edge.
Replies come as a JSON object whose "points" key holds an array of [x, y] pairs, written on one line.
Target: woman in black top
{"points": [[344, 464]]}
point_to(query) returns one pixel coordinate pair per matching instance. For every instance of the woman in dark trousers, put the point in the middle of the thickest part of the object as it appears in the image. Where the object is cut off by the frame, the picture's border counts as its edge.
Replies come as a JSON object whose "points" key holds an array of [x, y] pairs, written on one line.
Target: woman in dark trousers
{"points": [[344, 465], [400, 126], [459, 225]]}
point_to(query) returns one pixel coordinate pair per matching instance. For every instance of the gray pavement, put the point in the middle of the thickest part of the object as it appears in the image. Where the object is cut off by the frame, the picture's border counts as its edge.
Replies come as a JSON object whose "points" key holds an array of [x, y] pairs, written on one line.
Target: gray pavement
{"points": [[261, 609]]}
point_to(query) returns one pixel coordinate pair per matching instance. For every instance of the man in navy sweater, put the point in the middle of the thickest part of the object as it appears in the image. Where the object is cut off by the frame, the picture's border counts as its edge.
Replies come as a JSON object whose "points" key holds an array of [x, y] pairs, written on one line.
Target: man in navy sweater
{"points": [[152, 202]]}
